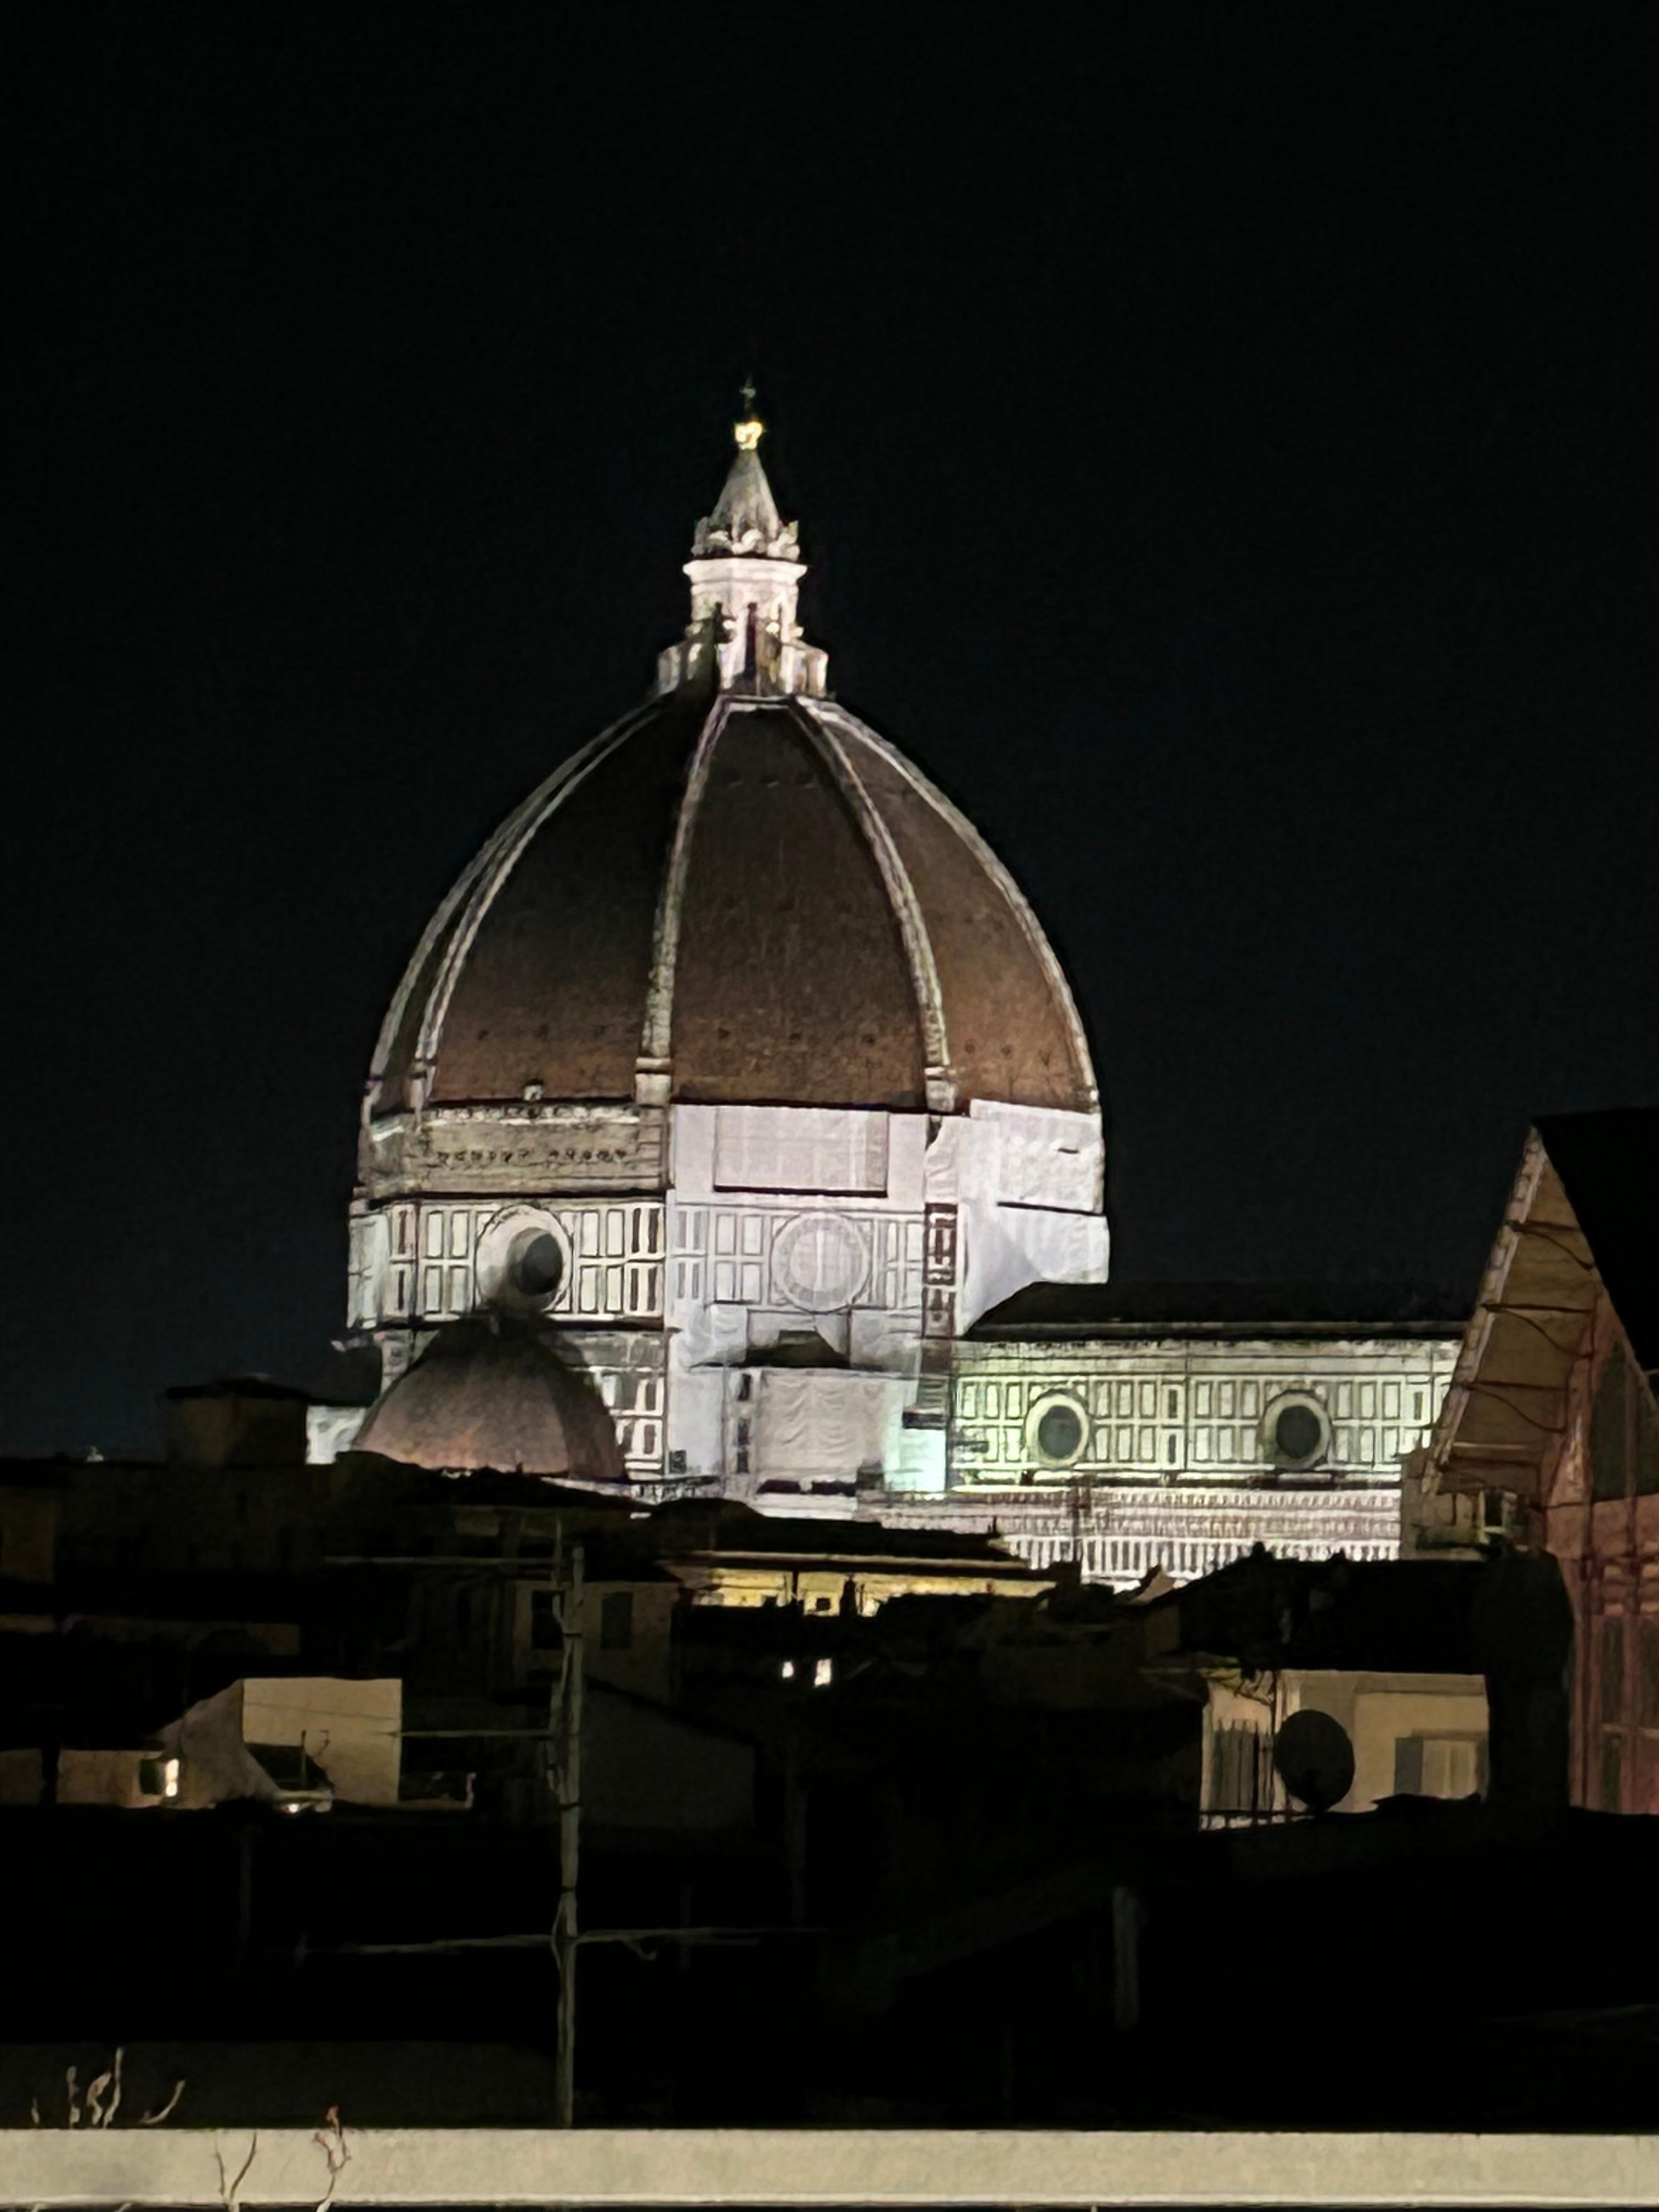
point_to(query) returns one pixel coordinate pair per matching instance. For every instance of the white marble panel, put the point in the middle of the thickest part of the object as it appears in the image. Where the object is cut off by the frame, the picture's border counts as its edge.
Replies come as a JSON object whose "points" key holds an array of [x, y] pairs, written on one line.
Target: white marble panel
{"points": [[693, 1150], [907, 1160]]}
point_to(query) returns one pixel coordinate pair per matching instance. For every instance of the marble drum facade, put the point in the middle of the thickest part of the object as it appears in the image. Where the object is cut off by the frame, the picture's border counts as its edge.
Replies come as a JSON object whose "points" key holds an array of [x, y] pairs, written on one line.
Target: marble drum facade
{"points": [[738, 1063], [764, 1317]]}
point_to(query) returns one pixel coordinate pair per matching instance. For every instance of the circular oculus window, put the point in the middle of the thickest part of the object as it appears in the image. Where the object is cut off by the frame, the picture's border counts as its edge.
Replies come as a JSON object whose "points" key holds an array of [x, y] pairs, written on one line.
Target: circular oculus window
{"points": [[523, 1261], [535, 1266], [819, 1261], [1057, 1431], [1296, 1430]]}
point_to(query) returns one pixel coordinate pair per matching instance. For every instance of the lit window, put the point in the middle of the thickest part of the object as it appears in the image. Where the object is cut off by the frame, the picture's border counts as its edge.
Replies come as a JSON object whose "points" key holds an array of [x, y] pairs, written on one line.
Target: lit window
{"points": [[787, 1670], [1443, 1766], [158, 1777], [823, 1672]]}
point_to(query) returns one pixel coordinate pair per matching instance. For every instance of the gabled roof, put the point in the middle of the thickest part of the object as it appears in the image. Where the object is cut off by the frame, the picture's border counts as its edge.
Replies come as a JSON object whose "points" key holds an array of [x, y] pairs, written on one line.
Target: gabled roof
{"points": [[1608, 1164], [729, 1529], [1228, 1309], [1580, 1222]]}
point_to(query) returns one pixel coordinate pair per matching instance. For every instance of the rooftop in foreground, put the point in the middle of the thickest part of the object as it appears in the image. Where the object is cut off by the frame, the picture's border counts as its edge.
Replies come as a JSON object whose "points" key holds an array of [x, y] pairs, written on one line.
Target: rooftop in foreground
{"points": [[667, 2166]]}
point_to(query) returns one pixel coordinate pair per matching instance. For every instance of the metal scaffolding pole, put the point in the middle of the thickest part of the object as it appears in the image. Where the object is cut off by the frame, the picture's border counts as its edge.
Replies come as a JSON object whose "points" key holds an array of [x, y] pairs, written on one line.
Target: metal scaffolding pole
{"points": [[567, 1725]]}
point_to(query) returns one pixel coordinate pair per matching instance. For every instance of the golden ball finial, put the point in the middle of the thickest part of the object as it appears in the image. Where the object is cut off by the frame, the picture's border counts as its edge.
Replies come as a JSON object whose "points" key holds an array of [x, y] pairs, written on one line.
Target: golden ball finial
{"points": [[747, 432]]}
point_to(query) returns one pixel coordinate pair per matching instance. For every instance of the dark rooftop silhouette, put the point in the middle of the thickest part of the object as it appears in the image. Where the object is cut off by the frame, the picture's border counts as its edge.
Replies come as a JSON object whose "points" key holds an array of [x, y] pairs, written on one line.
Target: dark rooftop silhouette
{"points": [[1194, 1309]]}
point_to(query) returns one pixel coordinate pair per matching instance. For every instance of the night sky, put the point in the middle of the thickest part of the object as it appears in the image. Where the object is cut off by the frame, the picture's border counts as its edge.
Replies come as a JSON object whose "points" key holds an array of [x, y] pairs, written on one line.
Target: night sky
{"points": [[1223, 443]]}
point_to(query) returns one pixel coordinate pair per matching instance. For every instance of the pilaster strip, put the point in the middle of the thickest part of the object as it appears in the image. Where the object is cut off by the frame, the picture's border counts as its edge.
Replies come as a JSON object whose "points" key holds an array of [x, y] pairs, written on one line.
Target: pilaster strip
{"points": [[500, 855], [657, 1036], [901, 896], [1030, 927]]}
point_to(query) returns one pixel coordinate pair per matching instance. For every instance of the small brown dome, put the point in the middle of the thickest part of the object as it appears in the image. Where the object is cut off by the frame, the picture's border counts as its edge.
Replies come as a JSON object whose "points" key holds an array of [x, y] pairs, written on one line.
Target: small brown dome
{"points": [[491, 1395]]}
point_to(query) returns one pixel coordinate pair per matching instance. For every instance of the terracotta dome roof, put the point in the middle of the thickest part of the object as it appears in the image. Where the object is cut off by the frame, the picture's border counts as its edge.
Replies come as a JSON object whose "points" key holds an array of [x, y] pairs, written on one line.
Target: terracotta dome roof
{"points": [[738, 896], [757, 897], [491, 1395]]}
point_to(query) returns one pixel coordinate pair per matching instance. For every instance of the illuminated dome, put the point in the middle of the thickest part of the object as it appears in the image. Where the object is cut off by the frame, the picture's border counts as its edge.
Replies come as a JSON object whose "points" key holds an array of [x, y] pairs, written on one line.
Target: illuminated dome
{"points": [[737, 1059], [739, 894], [488, 1394]]}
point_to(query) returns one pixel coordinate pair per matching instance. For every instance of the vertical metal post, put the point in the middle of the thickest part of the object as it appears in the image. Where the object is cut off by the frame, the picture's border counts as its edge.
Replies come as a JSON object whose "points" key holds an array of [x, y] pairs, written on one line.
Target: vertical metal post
{"points": [[567, 1745], [795, 1828], [1125, 1958], [245, 1893]]}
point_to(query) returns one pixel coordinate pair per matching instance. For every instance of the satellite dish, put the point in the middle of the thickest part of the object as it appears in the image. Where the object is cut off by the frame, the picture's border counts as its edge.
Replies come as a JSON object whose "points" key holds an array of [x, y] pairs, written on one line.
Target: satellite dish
{"points": [[1315, 1760]]}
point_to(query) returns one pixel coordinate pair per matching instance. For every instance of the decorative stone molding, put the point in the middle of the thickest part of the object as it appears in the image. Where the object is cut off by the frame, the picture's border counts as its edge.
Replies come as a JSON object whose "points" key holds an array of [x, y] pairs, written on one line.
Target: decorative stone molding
{"points": [[1121, 1532], [507, 1150]]}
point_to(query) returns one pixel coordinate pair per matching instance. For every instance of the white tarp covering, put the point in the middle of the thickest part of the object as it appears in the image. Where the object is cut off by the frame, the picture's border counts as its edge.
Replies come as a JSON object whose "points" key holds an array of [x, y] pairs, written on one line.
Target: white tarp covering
{"points": [[804, 1148], [823, 1424], [1006, 1247], [1045, 1158]]}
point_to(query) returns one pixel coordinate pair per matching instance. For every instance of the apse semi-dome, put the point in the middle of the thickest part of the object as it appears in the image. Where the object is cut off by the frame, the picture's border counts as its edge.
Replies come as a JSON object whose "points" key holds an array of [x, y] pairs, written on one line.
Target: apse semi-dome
{"points": [[485, 1395]]}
